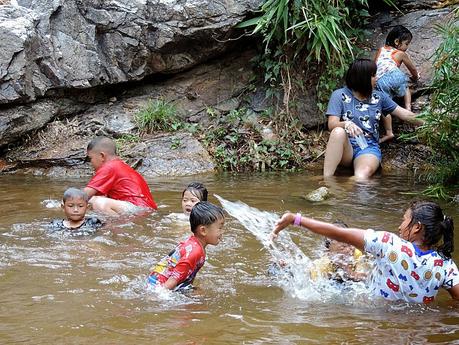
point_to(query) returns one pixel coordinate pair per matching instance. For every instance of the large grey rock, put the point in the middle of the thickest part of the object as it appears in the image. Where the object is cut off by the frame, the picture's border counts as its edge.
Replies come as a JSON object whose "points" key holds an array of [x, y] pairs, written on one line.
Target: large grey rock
{"points": [[171, 155], [422, 23], [59, 148], [16, 122], [54, 44]]}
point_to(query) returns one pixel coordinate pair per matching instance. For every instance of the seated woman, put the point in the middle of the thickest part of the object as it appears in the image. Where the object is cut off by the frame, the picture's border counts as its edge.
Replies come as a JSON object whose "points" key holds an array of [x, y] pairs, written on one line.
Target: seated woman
{"points": [[354, 110]]}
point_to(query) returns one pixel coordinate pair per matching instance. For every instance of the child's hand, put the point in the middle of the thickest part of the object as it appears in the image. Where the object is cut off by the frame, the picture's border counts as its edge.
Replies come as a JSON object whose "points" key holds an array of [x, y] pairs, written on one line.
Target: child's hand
{"points": [[286, 220]]}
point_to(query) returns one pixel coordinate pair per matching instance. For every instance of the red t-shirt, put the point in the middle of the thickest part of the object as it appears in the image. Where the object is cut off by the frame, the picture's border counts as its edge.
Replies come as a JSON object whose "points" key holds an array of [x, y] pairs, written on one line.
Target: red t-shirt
{"points": [[119, 181]]}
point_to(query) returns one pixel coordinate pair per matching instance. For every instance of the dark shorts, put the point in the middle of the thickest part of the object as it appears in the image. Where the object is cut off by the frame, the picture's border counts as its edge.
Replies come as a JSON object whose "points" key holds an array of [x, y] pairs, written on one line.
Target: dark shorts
{"points": [[372, 148]]}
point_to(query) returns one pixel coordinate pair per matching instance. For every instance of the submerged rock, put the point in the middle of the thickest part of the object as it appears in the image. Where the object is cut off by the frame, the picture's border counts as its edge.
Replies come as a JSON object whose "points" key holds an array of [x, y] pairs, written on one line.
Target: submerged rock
{"points": [[318, 194]]}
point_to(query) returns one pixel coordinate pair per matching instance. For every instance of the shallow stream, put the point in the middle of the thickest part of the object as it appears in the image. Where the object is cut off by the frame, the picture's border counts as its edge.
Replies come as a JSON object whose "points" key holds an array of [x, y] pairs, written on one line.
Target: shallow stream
{"points": [[56, 289]]}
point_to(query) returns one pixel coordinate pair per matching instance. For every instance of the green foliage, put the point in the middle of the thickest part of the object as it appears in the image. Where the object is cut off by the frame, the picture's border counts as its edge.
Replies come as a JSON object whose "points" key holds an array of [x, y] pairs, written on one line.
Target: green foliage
{"points": [[158, 115], [236, 142], [301, 36], [320, 27], [330, 80], [441, 129]]}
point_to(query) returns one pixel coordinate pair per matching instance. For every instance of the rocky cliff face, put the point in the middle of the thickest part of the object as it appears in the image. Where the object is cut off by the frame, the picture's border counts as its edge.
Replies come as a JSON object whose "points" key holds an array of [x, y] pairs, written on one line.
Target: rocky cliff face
{"points": [[71, 69], [55, 44]]}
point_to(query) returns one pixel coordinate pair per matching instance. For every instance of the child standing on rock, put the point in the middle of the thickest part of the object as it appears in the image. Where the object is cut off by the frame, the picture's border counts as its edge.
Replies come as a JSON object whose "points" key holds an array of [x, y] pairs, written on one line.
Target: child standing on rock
{"points": [[390, 79]]}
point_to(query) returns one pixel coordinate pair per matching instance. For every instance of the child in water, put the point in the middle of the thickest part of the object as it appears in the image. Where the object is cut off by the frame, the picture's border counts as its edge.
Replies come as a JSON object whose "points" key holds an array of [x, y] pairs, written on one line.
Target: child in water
{"points": [[410, 267], [341, 262], [75, 204], [390, 79], [191, 195], [179, 268]]}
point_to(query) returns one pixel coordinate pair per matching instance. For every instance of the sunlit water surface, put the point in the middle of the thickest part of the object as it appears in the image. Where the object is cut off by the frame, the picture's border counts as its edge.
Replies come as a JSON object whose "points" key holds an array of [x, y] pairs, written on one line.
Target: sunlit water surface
{"points": [[58, 289]]}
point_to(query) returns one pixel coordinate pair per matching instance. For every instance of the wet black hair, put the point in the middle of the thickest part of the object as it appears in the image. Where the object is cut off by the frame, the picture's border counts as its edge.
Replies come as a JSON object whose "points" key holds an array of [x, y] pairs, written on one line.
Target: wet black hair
{"points": [[400, 33], [197, 189], [436, 225], [74, 193], [358, 76], [205, 213], [102, 144]]}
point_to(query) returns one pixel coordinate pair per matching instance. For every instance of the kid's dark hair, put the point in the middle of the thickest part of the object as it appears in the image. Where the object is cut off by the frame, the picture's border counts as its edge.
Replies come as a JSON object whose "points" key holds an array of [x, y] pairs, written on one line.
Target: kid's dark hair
{"points": [[398, 32], [358, 76], [102, 144], [197, 189], [205, 213], [436, 225], [74, 193]]}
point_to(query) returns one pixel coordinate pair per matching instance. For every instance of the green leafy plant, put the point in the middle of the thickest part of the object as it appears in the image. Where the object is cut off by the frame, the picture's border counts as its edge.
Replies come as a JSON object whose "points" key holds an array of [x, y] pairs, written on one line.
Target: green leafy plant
{"points": [[305, 36], [237, 143], [441, 129], [176, 144], [158, 115]]}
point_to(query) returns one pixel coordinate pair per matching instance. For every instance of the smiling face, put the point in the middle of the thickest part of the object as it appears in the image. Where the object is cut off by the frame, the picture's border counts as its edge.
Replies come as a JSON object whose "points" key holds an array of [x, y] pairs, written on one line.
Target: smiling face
{"points": [[213, 233], [188, 201], [75, 209]]}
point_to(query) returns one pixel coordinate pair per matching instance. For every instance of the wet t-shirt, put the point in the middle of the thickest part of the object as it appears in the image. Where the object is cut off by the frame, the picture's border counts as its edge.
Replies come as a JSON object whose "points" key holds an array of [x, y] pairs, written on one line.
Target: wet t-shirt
{"points": [[404, 272], [119, 181], [365, 114], [88, 227], [182, 264]]}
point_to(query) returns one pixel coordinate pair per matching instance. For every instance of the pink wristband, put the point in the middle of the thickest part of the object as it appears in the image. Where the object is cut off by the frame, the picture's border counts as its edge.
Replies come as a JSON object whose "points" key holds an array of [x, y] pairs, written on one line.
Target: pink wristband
{"points": [[297, 220]]}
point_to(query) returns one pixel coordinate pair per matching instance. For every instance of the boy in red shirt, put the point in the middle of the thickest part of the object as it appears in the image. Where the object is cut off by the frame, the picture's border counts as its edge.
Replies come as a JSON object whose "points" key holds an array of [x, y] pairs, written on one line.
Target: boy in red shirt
{"points": [[178, 269], [115, 188]]}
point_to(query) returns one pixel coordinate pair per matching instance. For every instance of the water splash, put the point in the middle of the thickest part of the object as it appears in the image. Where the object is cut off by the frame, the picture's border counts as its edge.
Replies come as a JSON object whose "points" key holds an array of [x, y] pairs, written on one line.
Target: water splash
{"points": [[51, 203], [295, 272]]}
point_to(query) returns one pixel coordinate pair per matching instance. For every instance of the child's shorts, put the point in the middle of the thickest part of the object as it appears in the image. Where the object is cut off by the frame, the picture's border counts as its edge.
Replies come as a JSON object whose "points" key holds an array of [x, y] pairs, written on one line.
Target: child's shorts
{"points": [[393, 83], [372, 148]]}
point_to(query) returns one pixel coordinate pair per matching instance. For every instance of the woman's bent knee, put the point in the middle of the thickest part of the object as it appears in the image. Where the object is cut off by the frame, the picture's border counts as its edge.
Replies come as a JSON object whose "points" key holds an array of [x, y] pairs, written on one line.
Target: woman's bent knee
{"points": [[364, 172], [338, 133]]}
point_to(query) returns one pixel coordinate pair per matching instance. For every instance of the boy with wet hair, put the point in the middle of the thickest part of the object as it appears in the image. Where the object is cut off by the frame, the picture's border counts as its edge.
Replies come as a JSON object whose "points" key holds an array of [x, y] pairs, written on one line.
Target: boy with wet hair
{"points": [[115, 188], [75, 204], [179, 268]]}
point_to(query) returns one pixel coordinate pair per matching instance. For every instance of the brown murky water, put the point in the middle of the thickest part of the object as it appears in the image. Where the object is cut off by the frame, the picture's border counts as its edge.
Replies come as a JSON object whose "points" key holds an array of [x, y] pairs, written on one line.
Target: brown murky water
{"points": [[92, 290]]}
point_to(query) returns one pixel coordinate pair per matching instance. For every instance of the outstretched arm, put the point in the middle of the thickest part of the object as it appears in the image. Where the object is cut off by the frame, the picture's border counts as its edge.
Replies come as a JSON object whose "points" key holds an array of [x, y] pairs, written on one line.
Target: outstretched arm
{"points": [[410, 65], [351, 236], [407, 116]]}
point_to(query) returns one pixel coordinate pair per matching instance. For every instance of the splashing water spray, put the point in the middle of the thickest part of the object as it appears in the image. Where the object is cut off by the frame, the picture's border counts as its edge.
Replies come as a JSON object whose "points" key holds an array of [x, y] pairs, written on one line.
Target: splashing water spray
{"points": [[297, 273]]}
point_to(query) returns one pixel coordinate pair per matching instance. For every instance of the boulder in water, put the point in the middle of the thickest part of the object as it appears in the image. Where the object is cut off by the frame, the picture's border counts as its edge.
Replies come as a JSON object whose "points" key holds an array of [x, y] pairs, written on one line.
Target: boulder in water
{"points": [[318, 194]]}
